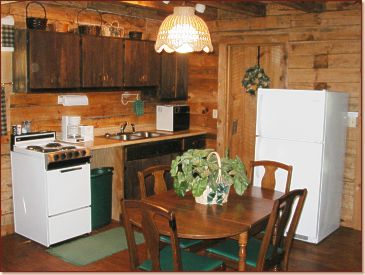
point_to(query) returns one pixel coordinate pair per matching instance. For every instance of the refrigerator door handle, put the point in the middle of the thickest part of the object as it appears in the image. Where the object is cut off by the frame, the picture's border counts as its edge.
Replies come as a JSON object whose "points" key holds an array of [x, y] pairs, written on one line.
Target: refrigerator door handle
{"points": [[258, 118]]}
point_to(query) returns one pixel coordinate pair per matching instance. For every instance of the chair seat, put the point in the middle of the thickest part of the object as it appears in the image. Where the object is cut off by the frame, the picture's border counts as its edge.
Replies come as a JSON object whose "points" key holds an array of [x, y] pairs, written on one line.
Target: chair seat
{"points": [[183, 243], [229, 249], [190, 261]]}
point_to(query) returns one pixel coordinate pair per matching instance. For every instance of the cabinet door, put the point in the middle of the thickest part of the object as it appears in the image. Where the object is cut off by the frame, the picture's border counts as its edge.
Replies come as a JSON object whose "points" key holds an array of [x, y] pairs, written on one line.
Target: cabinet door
{"points": [[112, 62], [134, 61], [54, 60], [141, 64], [168, 76], [181, 91], [92, 61], [174, 76], [152, 68]]}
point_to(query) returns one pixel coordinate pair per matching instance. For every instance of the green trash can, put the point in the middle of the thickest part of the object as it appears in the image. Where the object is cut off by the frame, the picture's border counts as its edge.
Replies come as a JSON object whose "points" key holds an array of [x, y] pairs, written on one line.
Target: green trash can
{"points": [[101, 196]]}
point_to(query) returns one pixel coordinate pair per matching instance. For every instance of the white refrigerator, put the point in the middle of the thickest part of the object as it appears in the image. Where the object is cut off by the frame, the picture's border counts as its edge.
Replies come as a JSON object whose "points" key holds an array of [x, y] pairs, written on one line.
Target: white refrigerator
{"points": [[306, 129]]}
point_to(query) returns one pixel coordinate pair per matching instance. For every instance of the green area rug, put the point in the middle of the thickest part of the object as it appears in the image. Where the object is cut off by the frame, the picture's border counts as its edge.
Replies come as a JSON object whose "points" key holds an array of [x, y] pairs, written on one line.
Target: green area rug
{"points": [[92, 248]]}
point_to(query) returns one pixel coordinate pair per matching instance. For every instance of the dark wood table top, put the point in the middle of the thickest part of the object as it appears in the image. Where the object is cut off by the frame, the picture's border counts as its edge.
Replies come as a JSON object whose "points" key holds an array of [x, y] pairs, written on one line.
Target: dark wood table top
{"points": [[198, 221]]}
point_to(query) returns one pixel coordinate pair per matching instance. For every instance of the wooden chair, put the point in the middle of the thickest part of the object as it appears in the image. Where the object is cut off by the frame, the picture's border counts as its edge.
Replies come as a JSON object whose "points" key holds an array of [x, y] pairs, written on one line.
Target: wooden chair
{"points": [[153, 180], [273, 250], [169, 258], [268, 180]]}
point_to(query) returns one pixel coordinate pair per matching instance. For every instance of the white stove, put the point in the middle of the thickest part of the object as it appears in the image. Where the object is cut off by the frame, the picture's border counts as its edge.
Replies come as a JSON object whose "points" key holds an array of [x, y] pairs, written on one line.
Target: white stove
{"points": [[51, 188]]}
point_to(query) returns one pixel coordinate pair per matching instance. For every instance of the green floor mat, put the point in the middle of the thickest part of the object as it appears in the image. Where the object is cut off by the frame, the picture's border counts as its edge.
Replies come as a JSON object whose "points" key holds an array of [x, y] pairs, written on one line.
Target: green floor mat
{"points": [[92, 248]]}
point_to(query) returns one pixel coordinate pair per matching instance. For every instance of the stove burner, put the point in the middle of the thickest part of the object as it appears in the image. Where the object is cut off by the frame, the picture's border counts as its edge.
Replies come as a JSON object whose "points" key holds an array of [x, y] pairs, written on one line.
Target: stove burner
{"points": [[35, 148], [41, 149], [68, 147], [53, 144]]}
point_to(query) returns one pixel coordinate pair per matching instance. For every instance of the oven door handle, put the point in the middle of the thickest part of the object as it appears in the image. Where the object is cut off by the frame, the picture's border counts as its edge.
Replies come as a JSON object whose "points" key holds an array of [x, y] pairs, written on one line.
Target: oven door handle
{"points": [[70, 170]]}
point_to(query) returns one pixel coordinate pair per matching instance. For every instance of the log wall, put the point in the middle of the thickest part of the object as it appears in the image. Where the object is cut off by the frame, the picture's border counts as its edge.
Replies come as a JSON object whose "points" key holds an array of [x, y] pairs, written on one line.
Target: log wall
{"points": [[323, 52]]}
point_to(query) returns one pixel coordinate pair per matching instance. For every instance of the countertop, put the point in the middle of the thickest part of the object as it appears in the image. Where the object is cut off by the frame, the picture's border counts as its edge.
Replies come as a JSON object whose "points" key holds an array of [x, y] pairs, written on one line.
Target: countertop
{"points": [[101, 142]]}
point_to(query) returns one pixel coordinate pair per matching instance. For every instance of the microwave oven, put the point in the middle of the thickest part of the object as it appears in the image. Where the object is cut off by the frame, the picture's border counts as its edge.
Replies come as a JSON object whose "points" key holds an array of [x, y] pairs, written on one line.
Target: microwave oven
{"points": [[172, 117]]}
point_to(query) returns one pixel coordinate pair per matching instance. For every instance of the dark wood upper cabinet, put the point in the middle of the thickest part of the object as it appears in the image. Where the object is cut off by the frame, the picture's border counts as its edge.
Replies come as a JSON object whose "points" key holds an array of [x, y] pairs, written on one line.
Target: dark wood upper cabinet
{"points": [[142, 64], [54, 60], [102, 61], [174, 76]]}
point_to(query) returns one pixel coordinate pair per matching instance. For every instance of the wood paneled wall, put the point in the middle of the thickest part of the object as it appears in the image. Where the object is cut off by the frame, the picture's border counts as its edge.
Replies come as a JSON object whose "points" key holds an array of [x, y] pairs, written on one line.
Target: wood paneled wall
{"points": [[324, 52], [203, 88]]}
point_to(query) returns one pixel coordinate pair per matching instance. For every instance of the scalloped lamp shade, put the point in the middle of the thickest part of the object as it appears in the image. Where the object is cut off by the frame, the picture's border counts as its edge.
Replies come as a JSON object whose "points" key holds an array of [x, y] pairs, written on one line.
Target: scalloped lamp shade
{"points": [[183, 32]]}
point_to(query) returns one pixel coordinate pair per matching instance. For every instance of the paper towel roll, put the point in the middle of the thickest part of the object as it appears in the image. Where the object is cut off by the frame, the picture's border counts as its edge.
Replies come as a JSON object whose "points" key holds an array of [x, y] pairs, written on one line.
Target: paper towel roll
{"points": [[73, 100]]}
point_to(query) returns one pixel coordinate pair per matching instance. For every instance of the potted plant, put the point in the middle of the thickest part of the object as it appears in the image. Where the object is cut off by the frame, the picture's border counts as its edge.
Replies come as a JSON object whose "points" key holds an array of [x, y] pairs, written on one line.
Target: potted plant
{"points": [[207, 176]]}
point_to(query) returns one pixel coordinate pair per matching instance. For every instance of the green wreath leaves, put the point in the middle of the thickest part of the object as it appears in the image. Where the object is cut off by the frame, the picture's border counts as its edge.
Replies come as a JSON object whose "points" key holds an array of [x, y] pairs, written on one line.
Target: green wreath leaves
{"points": [[255, 78]]}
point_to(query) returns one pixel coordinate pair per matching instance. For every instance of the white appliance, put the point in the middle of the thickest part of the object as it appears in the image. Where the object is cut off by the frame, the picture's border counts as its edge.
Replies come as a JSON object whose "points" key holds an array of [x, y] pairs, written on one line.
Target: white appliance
{"points": [[87, 132], [51, 188], [306, 129], [71, 129], [172, 117]]}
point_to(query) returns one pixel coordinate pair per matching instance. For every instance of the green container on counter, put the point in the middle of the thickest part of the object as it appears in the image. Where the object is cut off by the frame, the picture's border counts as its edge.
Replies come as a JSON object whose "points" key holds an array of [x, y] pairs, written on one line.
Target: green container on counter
{"points": [[101, 196]]}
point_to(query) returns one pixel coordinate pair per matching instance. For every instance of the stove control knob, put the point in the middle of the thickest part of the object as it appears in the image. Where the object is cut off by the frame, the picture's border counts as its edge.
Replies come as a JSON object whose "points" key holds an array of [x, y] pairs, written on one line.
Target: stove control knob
{"points": [[76, 154], [83, 153], [56, 157], [69, 155], [63, 156]]}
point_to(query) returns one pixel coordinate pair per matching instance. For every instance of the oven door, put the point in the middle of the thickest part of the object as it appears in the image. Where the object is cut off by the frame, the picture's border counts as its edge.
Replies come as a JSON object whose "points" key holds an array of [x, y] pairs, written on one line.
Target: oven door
{"points": [[68, 189]]}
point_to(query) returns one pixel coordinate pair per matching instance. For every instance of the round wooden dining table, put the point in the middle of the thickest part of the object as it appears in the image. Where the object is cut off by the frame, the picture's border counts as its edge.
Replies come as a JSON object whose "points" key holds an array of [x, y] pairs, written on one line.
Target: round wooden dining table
{"points": [[239, 217]]}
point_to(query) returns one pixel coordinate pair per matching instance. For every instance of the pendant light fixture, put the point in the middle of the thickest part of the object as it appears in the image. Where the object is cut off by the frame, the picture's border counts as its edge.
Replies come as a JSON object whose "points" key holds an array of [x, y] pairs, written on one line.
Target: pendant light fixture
{"points": [[183, 32]]}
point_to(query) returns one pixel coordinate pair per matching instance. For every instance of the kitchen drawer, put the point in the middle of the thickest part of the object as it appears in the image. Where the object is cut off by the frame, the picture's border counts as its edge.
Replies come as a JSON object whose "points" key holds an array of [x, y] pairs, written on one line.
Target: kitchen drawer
{"points": [[69, 225]]}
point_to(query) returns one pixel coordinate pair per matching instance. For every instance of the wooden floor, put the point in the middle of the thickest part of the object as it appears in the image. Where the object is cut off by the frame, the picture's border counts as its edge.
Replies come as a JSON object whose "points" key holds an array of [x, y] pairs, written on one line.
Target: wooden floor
{"points": [[341, 251]]}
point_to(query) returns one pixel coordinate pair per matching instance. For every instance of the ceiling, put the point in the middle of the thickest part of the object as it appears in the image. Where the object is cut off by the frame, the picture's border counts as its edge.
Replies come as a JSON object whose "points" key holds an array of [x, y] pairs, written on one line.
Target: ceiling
{"points": [[244, 8], [158, 10]]}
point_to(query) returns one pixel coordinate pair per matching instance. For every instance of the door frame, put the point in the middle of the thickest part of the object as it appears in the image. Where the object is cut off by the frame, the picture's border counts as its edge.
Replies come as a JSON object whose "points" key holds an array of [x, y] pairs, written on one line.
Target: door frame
{"points": [[223, 123]]}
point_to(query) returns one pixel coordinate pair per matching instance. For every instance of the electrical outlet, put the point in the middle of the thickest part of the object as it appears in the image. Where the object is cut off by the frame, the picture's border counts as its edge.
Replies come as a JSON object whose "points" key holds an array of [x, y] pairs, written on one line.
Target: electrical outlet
{"points": [[352, 119], [215, 113]]}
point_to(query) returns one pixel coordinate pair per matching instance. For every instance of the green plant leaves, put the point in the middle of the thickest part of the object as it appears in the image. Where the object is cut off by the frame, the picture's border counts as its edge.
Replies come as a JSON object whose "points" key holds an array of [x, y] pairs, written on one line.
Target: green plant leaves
{"points": [[198, 186], [192, 171]]}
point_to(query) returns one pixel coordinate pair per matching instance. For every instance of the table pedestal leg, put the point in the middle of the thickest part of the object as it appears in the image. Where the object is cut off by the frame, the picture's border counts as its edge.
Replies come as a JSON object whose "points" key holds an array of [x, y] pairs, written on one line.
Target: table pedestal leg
{"points": [[242, 242]]}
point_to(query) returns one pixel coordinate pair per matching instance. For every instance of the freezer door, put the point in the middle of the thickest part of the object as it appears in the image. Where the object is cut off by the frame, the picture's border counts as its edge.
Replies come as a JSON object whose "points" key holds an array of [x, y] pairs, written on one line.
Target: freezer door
{"points": [[291, 114], [306, 159]]}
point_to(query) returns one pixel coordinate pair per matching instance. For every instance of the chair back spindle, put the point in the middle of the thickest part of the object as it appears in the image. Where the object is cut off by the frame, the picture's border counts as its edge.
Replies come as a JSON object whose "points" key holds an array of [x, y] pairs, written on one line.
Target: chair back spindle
{"points": [[155, 175], [268, 180]]}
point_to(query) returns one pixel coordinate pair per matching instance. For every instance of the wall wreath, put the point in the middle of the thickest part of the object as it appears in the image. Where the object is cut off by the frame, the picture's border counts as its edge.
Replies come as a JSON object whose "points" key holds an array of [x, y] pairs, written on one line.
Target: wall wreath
{"points": [[255, 77]]}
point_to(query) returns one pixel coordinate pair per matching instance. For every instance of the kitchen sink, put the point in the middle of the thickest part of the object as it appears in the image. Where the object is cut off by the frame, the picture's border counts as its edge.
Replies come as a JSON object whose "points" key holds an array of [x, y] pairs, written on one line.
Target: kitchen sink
{"points": [[147, 134], [134, 136]]}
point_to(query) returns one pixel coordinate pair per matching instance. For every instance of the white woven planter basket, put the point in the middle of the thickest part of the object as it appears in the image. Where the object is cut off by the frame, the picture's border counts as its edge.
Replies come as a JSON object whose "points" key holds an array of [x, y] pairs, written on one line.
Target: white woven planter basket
{"points": [[203, 199]]}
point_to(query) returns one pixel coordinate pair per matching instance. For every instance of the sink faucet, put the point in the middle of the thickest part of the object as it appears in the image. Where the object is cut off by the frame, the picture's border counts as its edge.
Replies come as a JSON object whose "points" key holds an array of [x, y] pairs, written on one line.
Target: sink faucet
{"points": [[123, 126]]}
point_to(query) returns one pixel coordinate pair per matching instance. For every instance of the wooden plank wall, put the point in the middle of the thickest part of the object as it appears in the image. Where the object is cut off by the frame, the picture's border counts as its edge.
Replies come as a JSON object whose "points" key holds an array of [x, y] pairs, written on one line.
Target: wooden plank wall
{"points": [[203, 88], [324, 52]]}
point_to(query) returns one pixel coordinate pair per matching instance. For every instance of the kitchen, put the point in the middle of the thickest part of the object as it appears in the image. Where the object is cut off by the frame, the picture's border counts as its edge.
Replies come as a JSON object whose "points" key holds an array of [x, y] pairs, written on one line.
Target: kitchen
{"points": [[299, 50]]}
